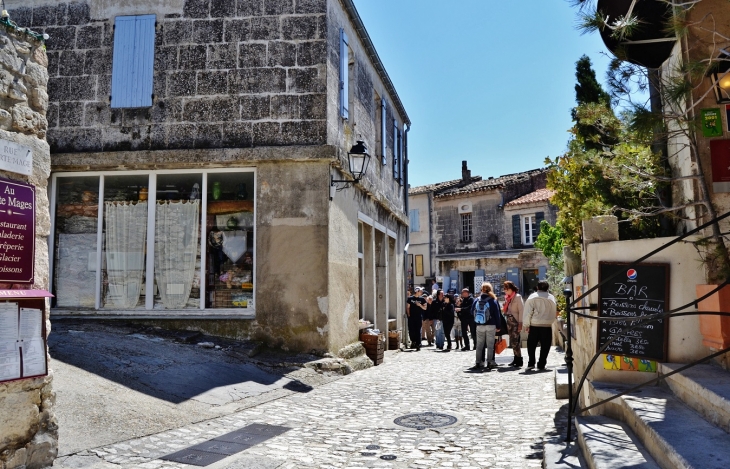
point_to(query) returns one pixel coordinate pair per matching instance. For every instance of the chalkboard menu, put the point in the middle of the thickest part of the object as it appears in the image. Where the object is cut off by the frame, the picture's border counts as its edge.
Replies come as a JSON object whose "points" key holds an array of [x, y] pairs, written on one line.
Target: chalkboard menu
{"points": [[638, 290]]}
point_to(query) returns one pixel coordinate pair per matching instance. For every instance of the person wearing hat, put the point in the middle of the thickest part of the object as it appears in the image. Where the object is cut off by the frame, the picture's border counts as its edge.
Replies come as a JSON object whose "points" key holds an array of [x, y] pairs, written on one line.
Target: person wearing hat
{"points": [[415, 308]]}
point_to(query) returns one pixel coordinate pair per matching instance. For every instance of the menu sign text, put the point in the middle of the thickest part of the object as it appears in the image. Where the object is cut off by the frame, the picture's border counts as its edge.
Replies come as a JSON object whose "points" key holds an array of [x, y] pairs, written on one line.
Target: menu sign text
{"points": [[638, 290], [17, 232]]}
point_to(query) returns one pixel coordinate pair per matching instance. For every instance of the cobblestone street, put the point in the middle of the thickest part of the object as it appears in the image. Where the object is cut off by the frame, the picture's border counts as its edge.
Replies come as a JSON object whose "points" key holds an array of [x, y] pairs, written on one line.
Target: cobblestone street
{"points": [[502, 417]]}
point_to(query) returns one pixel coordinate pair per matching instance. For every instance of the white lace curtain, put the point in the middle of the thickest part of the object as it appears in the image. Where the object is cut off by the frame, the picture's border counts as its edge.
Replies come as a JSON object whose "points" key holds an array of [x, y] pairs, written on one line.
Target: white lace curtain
{"points": [[176, 249], [126, 237]]}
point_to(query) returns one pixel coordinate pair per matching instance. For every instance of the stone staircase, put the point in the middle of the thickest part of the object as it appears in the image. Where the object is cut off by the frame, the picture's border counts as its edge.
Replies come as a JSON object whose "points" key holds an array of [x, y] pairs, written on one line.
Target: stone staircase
{"points": [[683, 423]]}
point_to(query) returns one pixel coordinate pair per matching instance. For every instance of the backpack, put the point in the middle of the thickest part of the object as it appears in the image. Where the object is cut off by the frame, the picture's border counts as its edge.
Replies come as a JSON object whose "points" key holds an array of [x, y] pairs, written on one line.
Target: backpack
{"points": [[480, 312]]}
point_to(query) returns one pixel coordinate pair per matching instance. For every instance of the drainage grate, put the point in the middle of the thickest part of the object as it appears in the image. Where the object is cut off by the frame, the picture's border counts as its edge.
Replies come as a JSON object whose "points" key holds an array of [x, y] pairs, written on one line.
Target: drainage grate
{"points": [[211, 451], [388, 457], [372, 447], [425, 420]]}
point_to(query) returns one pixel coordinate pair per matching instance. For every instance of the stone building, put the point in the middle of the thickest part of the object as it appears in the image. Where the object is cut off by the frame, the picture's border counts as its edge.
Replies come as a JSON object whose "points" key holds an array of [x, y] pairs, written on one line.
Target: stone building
{"points": [[28, 429], [193, 145], [473, 229]]}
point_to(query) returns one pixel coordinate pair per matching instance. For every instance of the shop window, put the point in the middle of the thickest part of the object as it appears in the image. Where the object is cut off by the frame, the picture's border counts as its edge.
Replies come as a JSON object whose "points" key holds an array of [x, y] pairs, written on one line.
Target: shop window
{"points": [[75, 242], [230, 237], [158, 249], [124, 242], [177, 241], [466, 231]]}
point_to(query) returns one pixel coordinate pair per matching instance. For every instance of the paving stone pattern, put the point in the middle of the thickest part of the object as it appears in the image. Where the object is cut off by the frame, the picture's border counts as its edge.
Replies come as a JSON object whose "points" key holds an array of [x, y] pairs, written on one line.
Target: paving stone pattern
{"points": [[502, 417]]}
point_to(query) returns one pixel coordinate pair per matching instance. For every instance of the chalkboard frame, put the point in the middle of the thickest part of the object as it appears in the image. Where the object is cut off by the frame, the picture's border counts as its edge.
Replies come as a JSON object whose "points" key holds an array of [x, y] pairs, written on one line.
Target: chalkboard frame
{"points": [[665, 323]]}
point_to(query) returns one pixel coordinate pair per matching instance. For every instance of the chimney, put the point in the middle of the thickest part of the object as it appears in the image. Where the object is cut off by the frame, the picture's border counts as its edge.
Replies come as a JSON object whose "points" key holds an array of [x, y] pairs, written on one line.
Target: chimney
{"points": [[465, 173]]}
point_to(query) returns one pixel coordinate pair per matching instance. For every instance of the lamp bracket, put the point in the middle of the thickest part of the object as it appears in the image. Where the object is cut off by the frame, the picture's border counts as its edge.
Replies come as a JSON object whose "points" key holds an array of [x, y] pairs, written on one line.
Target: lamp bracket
{"points": [[340, 184]]}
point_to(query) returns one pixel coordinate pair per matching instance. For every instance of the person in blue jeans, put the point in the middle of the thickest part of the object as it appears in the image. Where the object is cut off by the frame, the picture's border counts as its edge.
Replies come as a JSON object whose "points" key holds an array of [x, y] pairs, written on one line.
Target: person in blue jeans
{"points": [[485, 312]]}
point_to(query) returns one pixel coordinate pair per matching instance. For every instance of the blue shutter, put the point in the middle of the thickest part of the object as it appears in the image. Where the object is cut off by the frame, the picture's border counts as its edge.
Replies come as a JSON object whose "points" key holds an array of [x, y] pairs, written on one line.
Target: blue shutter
{"points": [[383, 133], [395, 149], [539, 217], [133, 63], [344, 79], [399, 177], [516, 233], [454, 276], [542, 272], [513, 275], [415, 222]]}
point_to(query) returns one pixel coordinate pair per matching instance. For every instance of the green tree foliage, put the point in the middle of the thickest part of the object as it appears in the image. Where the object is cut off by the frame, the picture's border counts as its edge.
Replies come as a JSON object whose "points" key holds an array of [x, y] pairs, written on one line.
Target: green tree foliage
{"points": [[551, 241], [605, 168]]}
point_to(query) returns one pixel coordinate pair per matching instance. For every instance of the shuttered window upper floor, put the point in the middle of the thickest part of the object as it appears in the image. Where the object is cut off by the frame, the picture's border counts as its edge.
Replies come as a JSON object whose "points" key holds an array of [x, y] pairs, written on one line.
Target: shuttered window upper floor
{"points": [[133, 61]]}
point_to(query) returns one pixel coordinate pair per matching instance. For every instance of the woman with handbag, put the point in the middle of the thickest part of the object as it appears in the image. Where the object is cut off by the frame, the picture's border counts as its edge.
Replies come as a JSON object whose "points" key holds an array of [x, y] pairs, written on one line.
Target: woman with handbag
{"points": [[513, 308]]}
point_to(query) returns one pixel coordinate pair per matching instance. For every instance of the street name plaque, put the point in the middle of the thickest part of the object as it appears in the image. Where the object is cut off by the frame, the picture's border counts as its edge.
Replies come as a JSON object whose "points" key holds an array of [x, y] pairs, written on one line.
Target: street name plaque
{"points": [[17, 232], [16, 158]]}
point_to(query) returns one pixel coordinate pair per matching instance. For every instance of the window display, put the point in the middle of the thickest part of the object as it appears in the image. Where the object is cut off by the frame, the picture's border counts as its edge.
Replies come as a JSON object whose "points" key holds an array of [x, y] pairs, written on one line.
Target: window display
{"points": [[152, 232], [230, 223], [125, 241], [75, 236]]}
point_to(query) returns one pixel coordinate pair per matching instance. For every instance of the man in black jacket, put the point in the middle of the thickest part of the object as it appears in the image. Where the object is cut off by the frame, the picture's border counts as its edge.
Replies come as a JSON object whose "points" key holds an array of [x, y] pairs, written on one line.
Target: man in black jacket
{"points": [[466, 318]]}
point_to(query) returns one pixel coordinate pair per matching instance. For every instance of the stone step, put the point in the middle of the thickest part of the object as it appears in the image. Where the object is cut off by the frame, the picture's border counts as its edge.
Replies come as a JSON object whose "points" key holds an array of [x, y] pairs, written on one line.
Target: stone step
{"points": [[675, 435], [559, 455], [561, 383], [705, 388], [609, 444]]}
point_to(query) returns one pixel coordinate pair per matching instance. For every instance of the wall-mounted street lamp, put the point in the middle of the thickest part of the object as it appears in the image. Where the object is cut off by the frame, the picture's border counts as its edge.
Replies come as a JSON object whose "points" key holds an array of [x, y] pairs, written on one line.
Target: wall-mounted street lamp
{"points": [[358, 159], [720, 76]]}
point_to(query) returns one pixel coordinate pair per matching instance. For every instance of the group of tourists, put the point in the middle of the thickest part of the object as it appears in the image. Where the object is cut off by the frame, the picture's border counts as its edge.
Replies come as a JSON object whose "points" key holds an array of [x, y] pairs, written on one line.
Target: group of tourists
{"points": [[433, 318]]}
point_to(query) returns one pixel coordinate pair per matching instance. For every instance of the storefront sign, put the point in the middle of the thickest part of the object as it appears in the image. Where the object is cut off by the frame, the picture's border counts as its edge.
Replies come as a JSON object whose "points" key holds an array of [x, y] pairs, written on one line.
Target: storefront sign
{"points": [[711, 122], [16, 158], [17, 232], [720, 157]]}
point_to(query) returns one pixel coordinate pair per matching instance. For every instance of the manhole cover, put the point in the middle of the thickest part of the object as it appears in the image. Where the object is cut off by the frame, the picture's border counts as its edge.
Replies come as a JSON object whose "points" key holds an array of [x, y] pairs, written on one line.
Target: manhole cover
{"points": [[372, 447], [388, 457], [367, 453], [425, 420]]}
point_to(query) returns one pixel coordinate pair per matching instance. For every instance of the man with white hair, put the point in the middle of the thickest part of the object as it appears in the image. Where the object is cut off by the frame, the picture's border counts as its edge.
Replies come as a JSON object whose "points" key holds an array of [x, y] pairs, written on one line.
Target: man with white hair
{"points": [[539, 313]]}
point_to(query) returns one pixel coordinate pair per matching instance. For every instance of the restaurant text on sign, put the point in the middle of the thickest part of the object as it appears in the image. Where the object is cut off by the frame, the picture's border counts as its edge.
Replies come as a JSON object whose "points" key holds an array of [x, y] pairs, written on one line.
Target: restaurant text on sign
{"points": [[17, 232]]}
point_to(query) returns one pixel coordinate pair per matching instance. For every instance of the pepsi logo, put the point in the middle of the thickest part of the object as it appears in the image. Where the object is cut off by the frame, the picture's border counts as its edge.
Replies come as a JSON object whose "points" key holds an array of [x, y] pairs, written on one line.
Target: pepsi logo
{"points": [[631, 274]]}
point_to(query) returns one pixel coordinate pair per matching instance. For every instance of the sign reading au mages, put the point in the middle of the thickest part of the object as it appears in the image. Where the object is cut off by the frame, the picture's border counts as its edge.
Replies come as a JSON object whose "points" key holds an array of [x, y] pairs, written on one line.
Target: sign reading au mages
{"points": [[17, 232]]}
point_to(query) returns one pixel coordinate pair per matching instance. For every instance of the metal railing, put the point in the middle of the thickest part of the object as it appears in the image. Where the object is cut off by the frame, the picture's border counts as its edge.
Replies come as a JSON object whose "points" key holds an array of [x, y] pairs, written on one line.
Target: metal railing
{"points": [[636, 323]]}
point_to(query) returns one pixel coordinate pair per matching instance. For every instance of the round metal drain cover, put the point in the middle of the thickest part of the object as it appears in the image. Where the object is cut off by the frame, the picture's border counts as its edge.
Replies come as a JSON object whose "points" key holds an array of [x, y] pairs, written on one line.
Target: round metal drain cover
{"points": [[425, 420], [366, 453], [372, 447], [388, 457]]}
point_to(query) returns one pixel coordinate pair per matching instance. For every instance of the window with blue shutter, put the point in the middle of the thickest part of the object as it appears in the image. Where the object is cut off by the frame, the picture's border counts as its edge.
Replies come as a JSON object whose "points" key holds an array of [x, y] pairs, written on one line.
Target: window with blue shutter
{"points": [[399, 163], [414, 221], [344, 79], [133, 62], [383, 134], [395, 149]]}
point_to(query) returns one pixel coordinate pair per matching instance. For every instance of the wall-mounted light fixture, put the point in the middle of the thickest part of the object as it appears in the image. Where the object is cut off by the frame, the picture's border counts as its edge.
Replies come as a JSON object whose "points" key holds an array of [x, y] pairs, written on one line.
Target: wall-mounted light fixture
{"points": [[720, 75], [358, 160]]}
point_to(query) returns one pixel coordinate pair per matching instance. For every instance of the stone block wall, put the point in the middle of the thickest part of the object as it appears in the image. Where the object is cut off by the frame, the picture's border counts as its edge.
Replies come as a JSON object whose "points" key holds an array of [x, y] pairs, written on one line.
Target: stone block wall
{"points": [[488, 232], [28, 430], [225, 75]]}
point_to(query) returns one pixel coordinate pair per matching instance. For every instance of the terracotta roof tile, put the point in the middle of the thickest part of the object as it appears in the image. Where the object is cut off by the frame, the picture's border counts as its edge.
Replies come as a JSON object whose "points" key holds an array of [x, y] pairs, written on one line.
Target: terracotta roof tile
{"points": [[540, 195], [491, 183], [439, 186]]}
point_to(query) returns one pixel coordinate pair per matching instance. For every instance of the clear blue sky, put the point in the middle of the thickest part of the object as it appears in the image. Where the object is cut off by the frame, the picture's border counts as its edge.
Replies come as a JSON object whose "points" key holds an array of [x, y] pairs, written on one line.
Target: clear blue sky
{"points": [[486, 81]]}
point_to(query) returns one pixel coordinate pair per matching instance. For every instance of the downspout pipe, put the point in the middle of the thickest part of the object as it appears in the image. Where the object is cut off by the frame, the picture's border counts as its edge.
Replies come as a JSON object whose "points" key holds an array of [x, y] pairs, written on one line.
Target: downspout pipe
{"points": [[405, 202]]}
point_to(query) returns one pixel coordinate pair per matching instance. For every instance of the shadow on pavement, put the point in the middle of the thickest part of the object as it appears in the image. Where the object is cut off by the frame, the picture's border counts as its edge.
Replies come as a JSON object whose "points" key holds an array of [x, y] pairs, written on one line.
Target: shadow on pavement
{"points": [[161, 367]]}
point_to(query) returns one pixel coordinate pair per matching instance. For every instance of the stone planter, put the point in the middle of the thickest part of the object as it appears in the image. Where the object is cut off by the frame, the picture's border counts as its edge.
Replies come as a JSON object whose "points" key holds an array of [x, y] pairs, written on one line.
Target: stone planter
{"points": [[715, 329]]}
